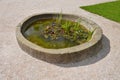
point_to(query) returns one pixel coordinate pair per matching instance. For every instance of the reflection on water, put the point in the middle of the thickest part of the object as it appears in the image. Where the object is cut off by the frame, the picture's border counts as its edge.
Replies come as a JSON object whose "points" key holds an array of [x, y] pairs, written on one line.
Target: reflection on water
{"points": [[35, 34]]}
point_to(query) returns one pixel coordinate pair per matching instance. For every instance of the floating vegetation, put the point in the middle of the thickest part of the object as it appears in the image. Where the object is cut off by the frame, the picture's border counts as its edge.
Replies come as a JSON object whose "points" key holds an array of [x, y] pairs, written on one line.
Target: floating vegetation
{"points": [[57, 33]]}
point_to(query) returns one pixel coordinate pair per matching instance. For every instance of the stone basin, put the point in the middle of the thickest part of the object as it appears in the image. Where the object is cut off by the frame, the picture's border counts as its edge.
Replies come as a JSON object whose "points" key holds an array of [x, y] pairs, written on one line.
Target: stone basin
{"points": [[64, 55]]}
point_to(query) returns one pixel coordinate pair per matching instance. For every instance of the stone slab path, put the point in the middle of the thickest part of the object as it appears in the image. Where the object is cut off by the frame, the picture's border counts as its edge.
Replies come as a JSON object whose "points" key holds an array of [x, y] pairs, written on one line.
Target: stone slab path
{"points": [[15, 64]]}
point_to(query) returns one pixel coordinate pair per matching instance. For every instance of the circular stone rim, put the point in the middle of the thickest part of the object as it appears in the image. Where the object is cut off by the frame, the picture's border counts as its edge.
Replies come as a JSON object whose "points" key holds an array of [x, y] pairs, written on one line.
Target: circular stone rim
{"points": [[96, 37]]}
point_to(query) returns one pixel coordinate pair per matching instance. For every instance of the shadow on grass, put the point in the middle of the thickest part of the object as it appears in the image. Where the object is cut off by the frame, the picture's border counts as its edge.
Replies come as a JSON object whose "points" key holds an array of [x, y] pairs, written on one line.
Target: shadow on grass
{"points": [[91, 59]]}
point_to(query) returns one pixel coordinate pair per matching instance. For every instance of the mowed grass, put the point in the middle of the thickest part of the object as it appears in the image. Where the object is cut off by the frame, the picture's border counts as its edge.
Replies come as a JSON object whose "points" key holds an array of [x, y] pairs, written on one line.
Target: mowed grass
{"points": [[110, 10]]}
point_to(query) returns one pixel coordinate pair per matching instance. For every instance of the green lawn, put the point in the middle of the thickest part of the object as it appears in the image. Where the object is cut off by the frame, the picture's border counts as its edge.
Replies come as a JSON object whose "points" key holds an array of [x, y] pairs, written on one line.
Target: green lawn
{"points": [[110, 10]]}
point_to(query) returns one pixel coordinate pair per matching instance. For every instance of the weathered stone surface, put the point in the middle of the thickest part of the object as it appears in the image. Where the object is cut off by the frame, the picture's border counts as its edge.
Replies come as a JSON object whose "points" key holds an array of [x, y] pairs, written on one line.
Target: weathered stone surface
{"points": [[71, 54]]}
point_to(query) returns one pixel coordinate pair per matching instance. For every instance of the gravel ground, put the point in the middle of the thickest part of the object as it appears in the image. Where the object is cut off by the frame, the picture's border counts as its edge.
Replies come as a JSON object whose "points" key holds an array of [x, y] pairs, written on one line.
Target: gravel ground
{"points": [[15, 64]]}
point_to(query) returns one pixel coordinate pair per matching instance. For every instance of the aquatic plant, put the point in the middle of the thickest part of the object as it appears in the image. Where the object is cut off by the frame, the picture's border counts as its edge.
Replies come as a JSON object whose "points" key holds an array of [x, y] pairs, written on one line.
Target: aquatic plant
{"points": [[59, 33]]}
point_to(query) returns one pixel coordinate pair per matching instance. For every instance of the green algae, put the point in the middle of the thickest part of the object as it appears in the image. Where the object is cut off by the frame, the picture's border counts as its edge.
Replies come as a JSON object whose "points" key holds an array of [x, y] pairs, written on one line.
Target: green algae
{"points": [[55, 34]]}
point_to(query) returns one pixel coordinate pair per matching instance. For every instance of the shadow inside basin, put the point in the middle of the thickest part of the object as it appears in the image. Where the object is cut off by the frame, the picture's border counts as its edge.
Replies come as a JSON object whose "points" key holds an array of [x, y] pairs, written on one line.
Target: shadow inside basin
{"points": [[91, 59]]}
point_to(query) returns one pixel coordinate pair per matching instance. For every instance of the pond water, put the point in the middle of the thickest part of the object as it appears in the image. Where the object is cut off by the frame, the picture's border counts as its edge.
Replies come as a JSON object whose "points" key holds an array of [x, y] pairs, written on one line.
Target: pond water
{"points": [[55, 34]]}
